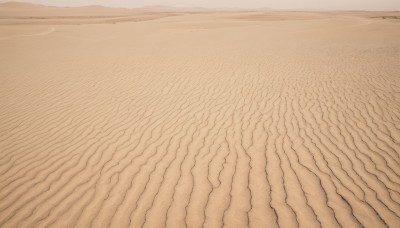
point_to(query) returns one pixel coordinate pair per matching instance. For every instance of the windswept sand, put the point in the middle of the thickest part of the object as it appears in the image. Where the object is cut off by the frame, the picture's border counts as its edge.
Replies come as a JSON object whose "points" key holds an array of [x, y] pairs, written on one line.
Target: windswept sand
{"points": [[199, 119]]}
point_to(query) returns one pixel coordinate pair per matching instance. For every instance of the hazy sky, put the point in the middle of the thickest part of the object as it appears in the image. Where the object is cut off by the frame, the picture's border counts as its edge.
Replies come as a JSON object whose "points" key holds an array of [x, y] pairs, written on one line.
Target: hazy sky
{"points": [[275, 4]]}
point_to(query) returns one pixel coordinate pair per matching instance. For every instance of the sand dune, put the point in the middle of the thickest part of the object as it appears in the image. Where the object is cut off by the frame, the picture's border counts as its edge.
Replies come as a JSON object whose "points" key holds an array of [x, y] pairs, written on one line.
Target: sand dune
{"points": [[212, 119], [13, 13]]}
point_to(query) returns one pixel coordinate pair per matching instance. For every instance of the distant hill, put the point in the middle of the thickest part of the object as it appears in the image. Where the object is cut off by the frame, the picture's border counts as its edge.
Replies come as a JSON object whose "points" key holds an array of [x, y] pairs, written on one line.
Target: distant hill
{"points": [[22, 9], [22, 5], [26, 5]]}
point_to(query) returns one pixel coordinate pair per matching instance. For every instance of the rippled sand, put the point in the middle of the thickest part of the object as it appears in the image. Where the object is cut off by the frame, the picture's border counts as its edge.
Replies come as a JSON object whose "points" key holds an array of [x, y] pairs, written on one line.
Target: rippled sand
{"points": [[199, 119]]}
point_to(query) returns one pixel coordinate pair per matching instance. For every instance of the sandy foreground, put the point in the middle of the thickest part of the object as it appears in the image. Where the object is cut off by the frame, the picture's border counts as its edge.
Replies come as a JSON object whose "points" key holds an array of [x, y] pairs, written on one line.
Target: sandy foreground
{"points": [[193, 118]]}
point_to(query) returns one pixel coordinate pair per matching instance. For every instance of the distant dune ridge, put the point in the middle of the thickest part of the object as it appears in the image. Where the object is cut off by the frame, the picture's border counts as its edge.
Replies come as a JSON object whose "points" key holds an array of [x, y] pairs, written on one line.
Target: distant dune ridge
{"points": [[198, 118], [21, 5], [20, 9]]}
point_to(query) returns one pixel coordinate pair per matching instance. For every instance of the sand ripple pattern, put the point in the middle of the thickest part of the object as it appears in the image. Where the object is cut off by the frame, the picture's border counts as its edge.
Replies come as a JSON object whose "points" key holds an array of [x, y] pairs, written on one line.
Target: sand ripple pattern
{"points": [[223, 124]]}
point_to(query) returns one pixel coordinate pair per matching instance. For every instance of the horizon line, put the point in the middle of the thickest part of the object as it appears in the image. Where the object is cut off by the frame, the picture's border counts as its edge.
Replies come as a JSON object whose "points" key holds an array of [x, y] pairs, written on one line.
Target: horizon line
{"points": [[201, 7]]}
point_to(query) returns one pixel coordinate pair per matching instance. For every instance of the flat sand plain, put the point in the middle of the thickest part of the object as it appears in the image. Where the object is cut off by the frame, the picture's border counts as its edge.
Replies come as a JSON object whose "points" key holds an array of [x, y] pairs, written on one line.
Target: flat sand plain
{"points": [[194, 118]]}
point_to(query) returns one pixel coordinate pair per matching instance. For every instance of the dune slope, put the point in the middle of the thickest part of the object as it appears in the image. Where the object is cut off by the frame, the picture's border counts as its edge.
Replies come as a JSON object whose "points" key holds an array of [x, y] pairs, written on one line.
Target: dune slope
{"points": [[201, 120]]}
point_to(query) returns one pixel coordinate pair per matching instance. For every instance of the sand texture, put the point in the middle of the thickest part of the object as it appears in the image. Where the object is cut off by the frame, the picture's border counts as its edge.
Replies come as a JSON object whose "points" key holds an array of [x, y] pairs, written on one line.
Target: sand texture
{"points": [[199, 119]]}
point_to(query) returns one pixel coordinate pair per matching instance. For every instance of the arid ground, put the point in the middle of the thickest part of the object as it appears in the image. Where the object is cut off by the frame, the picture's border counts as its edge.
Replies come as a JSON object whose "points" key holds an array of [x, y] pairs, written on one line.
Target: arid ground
{"points": [[192, 118]]}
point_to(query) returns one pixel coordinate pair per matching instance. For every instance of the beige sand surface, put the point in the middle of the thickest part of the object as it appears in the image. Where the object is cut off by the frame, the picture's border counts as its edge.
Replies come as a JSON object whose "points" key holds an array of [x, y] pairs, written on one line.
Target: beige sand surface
{"points": [[198, 119]]}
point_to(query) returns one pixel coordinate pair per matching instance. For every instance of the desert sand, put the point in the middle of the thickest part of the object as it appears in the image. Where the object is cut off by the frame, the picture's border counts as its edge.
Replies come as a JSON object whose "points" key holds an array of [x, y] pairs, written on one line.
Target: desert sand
{"points": [[195, 118]]}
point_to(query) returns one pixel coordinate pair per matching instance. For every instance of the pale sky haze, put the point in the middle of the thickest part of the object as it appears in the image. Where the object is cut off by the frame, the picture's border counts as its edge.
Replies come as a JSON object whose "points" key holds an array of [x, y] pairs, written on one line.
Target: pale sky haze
{"points": [[273, 4]]}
